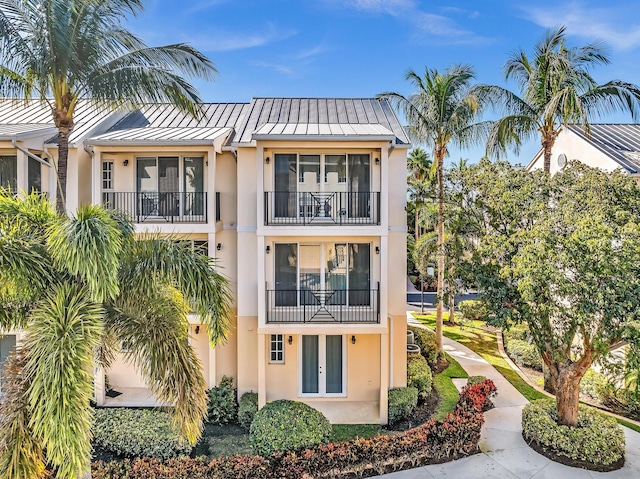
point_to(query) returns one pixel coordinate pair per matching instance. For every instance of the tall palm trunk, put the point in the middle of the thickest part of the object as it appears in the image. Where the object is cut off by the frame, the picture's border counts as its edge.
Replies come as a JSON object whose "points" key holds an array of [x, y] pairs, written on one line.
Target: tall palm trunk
{"points": [[63, 155], [439, 155]]}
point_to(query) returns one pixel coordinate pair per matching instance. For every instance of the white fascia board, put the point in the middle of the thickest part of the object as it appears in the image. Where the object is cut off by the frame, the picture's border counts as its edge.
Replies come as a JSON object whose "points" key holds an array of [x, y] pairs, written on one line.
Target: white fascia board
{"points": [[324, 137]]}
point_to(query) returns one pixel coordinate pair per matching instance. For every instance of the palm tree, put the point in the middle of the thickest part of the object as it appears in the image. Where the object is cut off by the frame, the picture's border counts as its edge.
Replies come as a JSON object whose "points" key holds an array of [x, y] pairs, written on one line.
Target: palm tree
{"points": [[78, 287], [441, 111], [62, 51], [420, 182], [556, 88]]}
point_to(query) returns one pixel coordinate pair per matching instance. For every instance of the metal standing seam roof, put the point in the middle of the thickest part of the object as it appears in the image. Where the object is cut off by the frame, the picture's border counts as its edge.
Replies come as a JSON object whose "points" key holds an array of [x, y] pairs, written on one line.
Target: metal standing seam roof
{"points": [[17, 114], [619, 141], [318, 131], [183, 135], [24, 130], [294, 113]]}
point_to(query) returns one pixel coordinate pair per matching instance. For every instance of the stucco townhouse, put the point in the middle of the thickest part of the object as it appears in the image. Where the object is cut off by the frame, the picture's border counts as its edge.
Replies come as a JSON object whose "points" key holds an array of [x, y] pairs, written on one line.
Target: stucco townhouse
{"points": [[302, 203]]}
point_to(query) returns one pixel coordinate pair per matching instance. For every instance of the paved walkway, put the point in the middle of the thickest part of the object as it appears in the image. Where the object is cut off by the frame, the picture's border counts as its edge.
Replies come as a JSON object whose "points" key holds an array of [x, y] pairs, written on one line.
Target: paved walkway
{"points": [[504, 454]]}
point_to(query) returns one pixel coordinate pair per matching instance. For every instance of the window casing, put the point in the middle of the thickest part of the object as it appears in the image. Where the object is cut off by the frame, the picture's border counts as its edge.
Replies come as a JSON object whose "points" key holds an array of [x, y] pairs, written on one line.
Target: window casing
{"points": [[107, 175], [276, 349]]}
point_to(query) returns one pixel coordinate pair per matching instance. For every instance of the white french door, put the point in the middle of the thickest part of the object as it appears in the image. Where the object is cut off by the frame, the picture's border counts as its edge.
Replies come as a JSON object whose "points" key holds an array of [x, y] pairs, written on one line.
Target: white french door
{"points": [[322, 366]]}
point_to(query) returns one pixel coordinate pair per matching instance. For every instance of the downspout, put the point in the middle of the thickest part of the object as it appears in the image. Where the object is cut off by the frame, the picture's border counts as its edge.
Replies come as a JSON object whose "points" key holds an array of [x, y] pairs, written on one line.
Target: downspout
{"points": [[28, 153], [90, 151], [50, 164]]}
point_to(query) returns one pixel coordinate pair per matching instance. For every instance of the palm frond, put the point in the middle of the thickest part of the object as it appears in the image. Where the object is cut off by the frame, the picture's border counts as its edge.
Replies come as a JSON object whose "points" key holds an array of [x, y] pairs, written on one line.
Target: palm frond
{"points": [[156, 330], [613, 97], [60, 343], [21, 451]]}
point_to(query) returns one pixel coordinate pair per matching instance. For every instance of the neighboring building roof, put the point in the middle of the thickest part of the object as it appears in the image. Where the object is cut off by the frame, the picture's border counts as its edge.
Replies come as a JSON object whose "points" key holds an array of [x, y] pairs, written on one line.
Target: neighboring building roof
{"points": [[35, 115], [25, 130], [160, 136], [301, 114], [619, 141]]}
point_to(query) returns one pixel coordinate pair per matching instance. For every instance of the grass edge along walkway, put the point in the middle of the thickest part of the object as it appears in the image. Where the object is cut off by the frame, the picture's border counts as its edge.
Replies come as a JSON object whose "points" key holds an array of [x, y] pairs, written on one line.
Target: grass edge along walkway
{"points": [[485, 344], [447, 391]]}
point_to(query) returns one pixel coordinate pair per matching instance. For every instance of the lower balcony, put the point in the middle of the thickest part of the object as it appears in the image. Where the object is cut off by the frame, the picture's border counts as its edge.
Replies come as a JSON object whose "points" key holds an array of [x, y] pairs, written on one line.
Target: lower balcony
{"points": [[296, 306], [159, 207]]}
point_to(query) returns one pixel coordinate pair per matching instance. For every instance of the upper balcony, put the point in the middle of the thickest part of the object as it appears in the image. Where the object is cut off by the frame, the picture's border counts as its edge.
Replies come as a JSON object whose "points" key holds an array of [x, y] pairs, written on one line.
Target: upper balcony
{"points": [[321, 208], [159, 206]]}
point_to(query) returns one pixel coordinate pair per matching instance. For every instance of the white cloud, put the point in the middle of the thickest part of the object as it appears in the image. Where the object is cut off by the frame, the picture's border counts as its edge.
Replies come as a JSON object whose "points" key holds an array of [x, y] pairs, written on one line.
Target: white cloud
{"points": [[204, 5], [223, 41], [609, 24], [311, 52], [277, 67]]}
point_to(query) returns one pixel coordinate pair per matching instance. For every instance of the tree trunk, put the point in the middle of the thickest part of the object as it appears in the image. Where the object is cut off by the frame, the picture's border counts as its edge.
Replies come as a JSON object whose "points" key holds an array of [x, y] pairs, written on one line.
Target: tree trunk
{"points": [[568, 396], [63, 155], [547, 159], [452, 309], [439, 155], [549, 379]]}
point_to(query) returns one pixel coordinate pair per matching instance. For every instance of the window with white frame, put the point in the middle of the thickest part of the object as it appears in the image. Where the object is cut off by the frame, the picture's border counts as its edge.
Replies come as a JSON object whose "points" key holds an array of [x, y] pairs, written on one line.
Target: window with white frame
{"points": [[107, 175], [276, 348]]}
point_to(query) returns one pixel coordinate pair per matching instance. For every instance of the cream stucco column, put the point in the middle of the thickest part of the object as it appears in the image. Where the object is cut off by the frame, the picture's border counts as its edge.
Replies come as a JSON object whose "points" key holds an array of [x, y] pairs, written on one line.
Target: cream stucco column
{"points": [[262, 355], [22, 174], [384, 378], [96, 177], [385, 284], [262, 371], [99, 385], [213, 373], [211, 186], [384, 188]]}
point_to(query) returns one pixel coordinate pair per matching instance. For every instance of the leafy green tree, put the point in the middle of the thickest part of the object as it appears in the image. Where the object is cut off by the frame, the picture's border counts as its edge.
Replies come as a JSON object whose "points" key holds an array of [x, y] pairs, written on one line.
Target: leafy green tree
{"points": [[441, 112], [561, 254], [556, 89], [62, 51], [78, 287]]}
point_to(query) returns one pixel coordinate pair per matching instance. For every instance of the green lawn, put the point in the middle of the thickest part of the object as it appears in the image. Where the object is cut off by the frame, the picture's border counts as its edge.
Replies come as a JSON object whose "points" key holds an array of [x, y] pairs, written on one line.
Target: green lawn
{"points": [[447, 391], [485, 344]]}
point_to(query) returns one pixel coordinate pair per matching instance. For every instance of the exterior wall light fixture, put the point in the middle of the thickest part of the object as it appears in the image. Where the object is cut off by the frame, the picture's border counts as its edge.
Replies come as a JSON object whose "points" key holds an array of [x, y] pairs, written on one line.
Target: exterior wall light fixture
{"points": [[125, 162], [377, 161], [267, 160], [353, 340], [197, 329], [290, 340], [377, 249], [268, 249], [219, 246]]}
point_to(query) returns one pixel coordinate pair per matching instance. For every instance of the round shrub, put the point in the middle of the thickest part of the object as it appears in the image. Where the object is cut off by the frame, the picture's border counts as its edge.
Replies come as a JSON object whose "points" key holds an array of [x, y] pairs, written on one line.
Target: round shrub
{"points": [[137, 433], [401, 402], [223, 402], [419, 374], [427, 342], [597, 440], [524, 353], [287, 425], [473, 310], [247, 409]]}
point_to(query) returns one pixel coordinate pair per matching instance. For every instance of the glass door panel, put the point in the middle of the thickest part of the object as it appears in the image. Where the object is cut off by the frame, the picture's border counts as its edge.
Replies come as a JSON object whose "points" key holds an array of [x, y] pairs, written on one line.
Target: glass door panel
{"points": [[147, 186], [168, 186], [359, 274], [310, 365], [286, 185], [9, 173], [286, 274], [335, 274], [359, 180], [310, 285], [193, 186], [334, 365], [311, 205]]}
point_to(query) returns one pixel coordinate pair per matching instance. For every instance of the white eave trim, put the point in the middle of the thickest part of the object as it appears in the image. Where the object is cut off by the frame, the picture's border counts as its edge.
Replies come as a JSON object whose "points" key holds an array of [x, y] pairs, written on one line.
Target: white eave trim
{"points": [[323, 137]]}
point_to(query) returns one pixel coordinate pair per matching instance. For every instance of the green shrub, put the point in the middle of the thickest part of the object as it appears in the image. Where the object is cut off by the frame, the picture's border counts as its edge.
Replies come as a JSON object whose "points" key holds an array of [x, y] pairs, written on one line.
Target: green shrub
{"points": [[401, 402], [518, 331], [247, 409], [524, 353], [596, 386], [223, 402], [597, 439], [475, 380], [419, 374], [287, 425], [473, 310], [137, 433], [427, 342]]}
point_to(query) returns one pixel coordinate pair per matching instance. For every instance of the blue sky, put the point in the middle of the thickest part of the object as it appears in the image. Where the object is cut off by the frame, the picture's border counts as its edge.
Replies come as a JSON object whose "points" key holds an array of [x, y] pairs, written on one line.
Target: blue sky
{"points": [[359, 48]]}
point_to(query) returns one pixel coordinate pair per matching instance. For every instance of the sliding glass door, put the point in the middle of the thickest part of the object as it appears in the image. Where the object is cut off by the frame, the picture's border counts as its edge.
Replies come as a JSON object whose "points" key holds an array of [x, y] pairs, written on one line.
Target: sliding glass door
{"points": [[322, 368]]}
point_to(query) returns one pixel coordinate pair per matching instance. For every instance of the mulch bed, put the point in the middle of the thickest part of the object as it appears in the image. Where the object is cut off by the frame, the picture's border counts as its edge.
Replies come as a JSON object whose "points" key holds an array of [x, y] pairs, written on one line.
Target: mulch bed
{"points": [[567, 461]]}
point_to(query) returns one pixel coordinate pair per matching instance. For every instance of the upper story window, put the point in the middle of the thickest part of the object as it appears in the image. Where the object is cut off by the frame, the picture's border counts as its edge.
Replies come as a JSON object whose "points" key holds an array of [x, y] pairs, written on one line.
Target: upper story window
{"points": [[9, 172], [34, 180], [170, 174]]}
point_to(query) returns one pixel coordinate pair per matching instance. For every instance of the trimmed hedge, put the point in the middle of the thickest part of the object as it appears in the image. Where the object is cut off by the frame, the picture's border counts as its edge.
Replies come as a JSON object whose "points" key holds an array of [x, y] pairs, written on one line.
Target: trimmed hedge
{"points": [[419, 374], [223, 402], [247, 409], [473, 310], [137, 433], [596, 386], [433, 442], [524, 353], [597, 440], [517, 331], [287, 426], [401, 402], [427, 342]]}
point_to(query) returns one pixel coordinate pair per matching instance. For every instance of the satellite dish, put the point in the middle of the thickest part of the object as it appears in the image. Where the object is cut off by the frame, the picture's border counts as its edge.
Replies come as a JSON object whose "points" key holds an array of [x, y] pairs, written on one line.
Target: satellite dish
{"points": [[562, 160]]}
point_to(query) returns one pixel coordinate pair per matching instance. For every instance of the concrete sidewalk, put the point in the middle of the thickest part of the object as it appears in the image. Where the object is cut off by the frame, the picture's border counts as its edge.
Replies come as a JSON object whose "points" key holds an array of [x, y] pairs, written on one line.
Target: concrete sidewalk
{"points": [[504, 454]]}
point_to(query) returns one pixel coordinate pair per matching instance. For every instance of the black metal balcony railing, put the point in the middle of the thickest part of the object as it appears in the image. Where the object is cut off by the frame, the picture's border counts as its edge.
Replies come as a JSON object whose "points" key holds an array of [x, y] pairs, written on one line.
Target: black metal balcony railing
{"points": [[321, 208], [153, 206], [307, 306]]}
